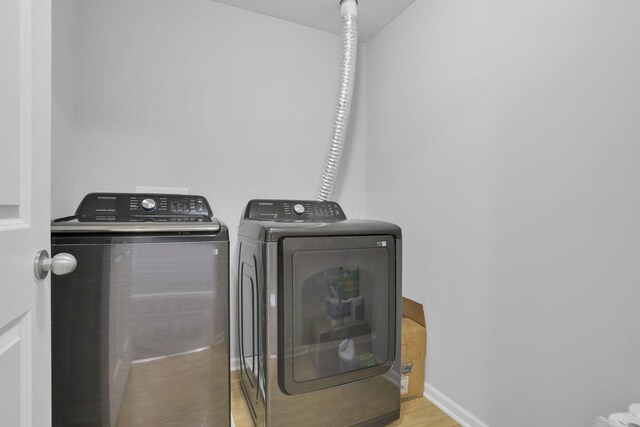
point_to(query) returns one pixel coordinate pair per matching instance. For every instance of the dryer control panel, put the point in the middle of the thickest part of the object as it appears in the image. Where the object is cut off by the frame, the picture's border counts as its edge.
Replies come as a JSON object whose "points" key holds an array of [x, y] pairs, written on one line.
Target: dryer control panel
{"points": [[294, 211], [132, 207]]}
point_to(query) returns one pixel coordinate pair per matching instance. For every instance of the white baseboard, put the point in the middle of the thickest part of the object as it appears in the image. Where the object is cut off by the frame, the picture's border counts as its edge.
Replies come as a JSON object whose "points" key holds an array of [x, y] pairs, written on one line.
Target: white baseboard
{"points": [[451, 408], [448, 406], [234, 364]]}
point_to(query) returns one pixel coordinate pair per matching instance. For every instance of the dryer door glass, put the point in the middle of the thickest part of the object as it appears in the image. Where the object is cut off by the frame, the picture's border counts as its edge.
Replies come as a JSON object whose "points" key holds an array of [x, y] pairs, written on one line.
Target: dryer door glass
{"points": [[339, 310]]}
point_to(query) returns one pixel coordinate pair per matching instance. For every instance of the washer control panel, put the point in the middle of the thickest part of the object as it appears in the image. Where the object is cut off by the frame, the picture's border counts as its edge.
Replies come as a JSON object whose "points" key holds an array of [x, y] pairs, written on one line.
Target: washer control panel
{"points": [[294, 211], [147, 207]]}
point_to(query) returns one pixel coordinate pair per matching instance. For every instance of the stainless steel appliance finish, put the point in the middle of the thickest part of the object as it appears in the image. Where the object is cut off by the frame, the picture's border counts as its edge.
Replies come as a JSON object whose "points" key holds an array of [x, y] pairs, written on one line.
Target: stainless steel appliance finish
{"points": [[292, 343], [140, 328]]}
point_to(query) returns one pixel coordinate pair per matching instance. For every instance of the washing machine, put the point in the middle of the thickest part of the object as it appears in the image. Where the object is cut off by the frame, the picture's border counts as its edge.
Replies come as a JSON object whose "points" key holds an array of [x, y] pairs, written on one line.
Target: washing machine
{"points": [[319, 315], [140, 329]]}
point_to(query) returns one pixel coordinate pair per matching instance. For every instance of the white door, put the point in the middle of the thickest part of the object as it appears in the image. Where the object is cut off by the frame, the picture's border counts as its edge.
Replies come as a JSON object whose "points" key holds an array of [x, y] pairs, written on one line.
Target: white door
{"points": [[25, 144]]}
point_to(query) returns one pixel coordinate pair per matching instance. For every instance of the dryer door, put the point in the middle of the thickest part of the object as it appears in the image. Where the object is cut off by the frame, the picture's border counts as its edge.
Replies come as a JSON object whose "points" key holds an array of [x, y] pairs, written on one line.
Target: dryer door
{"points": [[336, 310]]}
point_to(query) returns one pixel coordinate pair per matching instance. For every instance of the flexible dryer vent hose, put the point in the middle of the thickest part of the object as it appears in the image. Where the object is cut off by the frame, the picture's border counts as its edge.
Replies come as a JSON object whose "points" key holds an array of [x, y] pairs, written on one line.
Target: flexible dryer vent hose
{"points": [[349, 12]]}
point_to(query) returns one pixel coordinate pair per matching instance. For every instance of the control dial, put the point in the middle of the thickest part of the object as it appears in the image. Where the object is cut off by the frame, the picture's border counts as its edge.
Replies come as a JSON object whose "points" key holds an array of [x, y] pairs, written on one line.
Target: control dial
{"points": [[148, 204], [298, 209]]}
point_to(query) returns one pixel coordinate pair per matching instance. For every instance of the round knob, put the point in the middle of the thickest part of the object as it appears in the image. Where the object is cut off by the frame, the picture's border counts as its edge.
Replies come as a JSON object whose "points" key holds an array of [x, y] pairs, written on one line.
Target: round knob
{"points": [[60, 264], [298, 209], [148, 204]]}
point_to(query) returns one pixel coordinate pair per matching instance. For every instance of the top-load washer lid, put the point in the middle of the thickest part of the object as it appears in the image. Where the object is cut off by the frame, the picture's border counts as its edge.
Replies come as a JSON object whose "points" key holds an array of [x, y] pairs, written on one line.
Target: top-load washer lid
{"points": [[139, 213]]}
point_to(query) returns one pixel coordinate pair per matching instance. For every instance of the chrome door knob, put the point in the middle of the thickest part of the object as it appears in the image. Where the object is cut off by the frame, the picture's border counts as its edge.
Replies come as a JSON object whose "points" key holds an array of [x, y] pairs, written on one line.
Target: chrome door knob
{"points": [[60, 264]]}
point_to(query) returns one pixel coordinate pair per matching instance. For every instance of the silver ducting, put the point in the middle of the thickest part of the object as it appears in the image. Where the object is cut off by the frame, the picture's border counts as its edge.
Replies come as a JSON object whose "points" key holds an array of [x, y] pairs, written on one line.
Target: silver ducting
{"points": [[345, 93]]}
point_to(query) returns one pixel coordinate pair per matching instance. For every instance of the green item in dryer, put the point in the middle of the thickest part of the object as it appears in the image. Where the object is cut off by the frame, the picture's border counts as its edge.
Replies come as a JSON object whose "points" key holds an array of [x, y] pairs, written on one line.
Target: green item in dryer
{"points": [[366, 360], [348, 286]]}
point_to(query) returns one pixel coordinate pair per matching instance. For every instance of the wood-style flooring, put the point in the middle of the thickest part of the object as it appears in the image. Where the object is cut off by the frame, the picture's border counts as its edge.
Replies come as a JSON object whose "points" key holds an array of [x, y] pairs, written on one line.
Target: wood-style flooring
{"points": [[417, 412]]}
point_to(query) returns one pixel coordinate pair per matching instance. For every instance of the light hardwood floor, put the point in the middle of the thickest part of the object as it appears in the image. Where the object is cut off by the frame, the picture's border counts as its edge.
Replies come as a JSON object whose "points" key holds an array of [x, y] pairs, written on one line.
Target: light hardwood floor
{"points": [[418, 412]]}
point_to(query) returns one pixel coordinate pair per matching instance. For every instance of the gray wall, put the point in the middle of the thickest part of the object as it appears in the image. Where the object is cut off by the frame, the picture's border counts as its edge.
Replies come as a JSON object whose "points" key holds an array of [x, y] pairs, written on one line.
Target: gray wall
{"points": [[65, 60], [504, 137], [191, 93]]}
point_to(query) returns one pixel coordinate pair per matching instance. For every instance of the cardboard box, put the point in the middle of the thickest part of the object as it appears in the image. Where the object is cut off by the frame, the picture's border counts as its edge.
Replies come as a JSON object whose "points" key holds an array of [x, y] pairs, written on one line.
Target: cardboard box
{"points": [[413, 350]]}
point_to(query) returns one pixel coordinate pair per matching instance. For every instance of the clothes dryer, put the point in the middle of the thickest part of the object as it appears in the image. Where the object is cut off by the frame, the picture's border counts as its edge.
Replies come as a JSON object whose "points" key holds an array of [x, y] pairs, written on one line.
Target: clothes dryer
{"points": [[319, 315]]}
